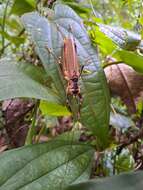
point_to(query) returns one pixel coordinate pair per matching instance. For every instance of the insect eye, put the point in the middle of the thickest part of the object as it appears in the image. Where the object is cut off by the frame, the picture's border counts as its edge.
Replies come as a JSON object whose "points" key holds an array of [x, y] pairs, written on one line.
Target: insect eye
{"points": [[75, 79]]}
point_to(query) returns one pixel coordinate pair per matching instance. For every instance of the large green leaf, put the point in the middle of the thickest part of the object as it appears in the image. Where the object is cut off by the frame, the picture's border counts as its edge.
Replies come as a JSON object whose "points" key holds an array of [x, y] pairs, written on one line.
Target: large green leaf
{"points": [[20, 7], [127, 181], [16, 80], [124, 38], [25, 80], [49, 32], [133, 59], [44, 33], [48, 166]]}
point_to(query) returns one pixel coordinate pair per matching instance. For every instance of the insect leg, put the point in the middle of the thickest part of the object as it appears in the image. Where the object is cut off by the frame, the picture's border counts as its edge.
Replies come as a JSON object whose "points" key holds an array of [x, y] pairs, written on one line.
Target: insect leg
{"points": [[80, 103], [82, 67], [68, 102]]}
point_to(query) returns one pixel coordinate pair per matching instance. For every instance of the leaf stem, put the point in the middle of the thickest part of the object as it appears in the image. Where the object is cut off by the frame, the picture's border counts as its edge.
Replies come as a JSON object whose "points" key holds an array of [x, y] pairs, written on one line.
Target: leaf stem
{"points": [[31, 131], [40, 133], [112, 63], [91, 4]]}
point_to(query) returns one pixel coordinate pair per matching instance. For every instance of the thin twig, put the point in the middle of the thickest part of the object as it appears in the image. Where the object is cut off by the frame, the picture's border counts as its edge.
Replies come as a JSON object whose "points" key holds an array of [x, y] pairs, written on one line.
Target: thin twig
{"points": [[91, 4], [31, 131]]}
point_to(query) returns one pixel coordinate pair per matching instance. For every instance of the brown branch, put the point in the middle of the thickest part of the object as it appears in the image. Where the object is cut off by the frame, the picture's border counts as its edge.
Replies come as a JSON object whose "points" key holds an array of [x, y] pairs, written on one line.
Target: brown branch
{"points": [[130, 141]]}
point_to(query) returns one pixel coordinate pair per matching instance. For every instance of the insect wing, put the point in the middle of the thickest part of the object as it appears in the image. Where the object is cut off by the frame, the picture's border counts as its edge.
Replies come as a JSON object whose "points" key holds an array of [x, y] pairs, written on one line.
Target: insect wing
{"points": [[70, 62]]}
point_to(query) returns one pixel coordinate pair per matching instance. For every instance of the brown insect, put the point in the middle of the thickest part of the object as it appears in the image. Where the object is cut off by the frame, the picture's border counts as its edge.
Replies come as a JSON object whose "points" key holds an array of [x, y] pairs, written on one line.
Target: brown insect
{"points": [[70, 67]]}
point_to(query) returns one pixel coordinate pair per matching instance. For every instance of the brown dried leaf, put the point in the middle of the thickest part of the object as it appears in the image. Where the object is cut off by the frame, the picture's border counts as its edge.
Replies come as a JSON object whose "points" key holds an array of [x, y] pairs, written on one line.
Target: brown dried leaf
{"points": [[14, 114], [126, 83]]}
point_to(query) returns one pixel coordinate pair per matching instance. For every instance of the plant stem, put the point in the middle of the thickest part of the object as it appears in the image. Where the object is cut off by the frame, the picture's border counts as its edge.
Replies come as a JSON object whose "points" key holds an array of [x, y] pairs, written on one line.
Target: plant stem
{"points": [[91, 4], [31, 131], [112, 63], [40, 133], [3, 26]]}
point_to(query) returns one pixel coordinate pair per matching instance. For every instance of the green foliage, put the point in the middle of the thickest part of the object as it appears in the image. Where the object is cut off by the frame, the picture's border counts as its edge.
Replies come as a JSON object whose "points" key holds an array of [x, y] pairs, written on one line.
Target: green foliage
{"points": [[132, 59], [123, 38], [16, 40], [93, 85], [52, 165], [124, 163], [127, 181], [56, 110], [106, 44], [81, 10], [116, 27], [20, 7], [16, 83], [11, 29]]}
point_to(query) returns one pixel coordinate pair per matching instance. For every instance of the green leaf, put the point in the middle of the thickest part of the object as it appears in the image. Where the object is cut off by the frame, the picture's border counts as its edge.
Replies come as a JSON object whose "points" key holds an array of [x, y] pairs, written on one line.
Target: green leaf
{"points": [[31, 2], [14, 25], [36, 73], [51, 166], [124, 162], [44, 34], [15, 82], [132, 59], [13, 39], [95, 110], [80, 9], [123, 38], [127, 181], [56, 110], [105, 44], [51, 32], [20, 7]]}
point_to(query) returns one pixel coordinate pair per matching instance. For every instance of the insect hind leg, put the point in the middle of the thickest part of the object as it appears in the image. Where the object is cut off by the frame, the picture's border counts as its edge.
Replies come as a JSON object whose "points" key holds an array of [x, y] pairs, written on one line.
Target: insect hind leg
{"points": [[79, 100]]}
